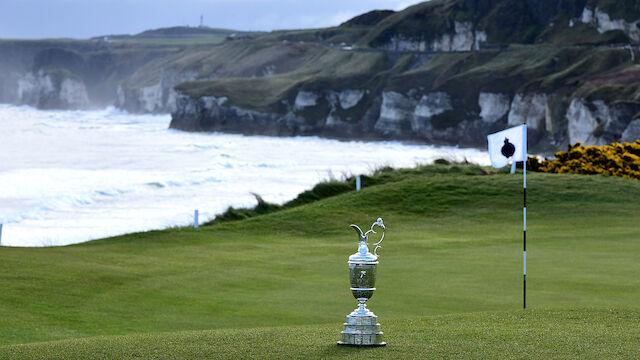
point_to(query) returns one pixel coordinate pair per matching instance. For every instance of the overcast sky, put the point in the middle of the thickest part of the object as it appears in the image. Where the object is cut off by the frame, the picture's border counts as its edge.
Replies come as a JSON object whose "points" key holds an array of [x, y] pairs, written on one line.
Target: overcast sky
{"points": [[88, 18]]}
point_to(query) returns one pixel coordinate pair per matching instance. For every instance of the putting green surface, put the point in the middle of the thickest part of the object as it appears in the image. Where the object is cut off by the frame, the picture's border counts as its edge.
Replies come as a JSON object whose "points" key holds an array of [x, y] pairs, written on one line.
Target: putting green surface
{"points": [[449, 279], [530, 334]]}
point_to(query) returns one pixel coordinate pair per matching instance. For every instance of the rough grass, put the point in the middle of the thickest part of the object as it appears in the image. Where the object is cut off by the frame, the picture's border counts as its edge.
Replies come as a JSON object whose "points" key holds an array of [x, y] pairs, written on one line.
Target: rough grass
{"points": [[620, 84], [453, 246], [424, 21], [316, 68], [335, 187]]}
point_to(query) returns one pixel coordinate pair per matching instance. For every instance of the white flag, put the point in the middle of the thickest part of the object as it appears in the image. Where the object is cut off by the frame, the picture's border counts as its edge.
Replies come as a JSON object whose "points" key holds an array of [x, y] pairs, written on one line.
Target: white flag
{"points": [[508, 145]]}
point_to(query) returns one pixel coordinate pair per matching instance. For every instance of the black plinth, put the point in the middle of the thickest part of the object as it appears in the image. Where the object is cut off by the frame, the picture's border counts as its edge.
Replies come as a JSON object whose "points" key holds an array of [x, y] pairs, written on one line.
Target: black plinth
{"points": [[362, 345]]}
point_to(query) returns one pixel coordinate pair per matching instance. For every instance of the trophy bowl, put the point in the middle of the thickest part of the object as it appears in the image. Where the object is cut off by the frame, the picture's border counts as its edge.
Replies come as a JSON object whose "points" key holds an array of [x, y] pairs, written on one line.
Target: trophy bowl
{"points": [[363, 279]]}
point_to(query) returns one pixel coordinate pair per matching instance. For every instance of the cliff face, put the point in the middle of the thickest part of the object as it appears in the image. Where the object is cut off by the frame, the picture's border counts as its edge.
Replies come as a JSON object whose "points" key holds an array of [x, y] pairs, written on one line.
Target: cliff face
{"points": [[603, 23], [209, 113], [151, 87], [463, 38], [52, 90], [414, 116], [447, 75], [68, 74], [159, 97], [451, 99]]}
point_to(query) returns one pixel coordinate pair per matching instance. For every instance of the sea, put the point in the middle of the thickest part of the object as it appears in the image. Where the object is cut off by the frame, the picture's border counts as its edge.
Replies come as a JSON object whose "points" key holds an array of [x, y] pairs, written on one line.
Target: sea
{"points": [[68, 177]]}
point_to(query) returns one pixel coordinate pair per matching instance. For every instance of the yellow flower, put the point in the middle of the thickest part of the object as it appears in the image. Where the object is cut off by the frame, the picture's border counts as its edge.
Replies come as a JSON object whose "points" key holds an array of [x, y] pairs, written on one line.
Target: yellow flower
{"points": [[615, 159]]}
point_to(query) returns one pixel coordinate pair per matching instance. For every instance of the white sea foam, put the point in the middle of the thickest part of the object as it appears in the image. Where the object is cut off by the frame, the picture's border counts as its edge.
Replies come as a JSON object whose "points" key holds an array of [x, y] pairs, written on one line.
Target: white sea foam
{"points": [[72, 176]]}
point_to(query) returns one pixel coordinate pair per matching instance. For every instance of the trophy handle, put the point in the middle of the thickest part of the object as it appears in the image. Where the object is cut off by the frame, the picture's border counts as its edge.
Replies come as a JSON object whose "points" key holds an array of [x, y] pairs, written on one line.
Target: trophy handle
{"points": [[365, 237], [384, 230]]}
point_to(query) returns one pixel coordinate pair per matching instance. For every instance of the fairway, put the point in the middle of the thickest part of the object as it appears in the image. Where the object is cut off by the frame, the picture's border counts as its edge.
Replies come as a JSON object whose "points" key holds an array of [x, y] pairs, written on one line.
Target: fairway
{"points": [[276, 286]]}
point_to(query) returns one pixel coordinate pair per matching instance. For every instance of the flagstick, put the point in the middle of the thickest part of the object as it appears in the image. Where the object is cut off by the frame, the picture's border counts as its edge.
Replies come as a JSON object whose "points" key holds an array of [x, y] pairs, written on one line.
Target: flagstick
{"points": [[524, 224], [498, 162]]}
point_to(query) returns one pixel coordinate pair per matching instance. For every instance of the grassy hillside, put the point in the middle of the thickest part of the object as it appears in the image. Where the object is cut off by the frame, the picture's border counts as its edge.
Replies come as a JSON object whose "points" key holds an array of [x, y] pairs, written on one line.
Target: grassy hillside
{"points": [[523, 47], [182, 36], [505, 21], [298, 67], [564, 72], [453, 246]]}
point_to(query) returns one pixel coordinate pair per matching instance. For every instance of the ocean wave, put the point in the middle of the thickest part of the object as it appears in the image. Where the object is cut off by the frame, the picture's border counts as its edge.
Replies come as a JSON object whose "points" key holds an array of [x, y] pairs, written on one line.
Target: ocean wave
{"points": [[82, 196], [184, 182], [205, 147], [72, 176]]}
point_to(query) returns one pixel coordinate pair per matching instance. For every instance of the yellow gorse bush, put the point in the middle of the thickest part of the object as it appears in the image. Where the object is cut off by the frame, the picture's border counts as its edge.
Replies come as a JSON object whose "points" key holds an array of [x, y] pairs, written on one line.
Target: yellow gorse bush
{"points": [[615, 159]]}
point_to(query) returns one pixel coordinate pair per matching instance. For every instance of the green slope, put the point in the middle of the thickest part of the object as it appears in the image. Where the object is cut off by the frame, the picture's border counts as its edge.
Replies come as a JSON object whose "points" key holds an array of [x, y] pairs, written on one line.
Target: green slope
{"points": [[453, 246]]}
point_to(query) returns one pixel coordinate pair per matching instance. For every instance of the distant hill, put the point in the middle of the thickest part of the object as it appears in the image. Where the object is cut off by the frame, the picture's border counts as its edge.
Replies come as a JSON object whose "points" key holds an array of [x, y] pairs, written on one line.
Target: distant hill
{"points": [[177, 32], [368, 19]]}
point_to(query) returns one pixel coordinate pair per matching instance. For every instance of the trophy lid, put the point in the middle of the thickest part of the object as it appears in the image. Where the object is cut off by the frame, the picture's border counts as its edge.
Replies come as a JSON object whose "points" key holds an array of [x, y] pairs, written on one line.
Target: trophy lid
{"points": [[367, 258]]}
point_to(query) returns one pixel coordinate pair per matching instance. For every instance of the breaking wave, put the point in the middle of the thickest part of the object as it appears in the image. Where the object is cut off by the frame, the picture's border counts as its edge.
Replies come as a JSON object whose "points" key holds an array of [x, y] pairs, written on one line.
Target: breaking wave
{"points": [[72, 176]]}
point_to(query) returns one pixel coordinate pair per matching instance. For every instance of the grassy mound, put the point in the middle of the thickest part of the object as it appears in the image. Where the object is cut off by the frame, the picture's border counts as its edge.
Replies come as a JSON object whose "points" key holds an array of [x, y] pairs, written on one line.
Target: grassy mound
{"points": [[453, 245], [534, 334], [334, 187]]}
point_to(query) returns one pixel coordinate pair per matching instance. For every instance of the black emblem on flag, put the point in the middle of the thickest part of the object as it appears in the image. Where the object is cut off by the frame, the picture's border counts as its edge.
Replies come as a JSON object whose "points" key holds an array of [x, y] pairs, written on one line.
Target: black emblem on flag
{"points": [[508, 149]]}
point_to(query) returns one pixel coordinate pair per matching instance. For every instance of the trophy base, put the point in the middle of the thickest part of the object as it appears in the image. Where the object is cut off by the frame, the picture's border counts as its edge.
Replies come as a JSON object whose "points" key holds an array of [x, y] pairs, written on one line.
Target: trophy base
{"points": [[362, 329], [348, 344], [361, 339]]}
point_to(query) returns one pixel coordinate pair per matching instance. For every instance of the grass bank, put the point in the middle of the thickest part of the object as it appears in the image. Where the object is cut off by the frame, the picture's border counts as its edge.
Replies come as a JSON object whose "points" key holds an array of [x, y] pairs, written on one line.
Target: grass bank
{"points": [[453, 246]]}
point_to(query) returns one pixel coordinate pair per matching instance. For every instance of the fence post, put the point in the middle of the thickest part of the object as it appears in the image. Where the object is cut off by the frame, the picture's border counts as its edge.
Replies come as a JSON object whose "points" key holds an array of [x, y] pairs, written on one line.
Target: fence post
{"points": [[195, 219], [358, 183]]}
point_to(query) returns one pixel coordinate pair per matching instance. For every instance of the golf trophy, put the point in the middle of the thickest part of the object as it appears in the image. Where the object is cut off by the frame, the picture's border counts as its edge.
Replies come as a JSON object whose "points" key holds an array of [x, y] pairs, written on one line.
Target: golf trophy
{"points": [[362, 328]]}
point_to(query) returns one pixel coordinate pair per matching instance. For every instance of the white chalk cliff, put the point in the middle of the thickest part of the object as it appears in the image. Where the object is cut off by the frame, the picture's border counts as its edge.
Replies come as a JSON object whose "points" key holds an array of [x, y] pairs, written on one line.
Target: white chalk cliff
{"points": [[156, 97], [463, 38], [399, 112], [493, 106], [43, 90], [603, 22]]}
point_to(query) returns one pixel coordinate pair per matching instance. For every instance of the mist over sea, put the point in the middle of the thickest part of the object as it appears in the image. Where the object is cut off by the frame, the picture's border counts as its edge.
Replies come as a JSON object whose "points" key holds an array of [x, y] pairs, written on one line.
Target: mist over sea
{"points": [[73, 176]]}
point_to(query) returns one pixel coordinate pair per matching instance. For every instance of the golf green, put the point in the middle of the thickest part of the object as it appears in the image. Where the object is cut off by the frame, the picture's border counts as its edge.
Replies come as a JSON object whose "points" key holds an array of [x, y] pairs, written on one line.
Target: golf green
{"points": [[276, 285]]}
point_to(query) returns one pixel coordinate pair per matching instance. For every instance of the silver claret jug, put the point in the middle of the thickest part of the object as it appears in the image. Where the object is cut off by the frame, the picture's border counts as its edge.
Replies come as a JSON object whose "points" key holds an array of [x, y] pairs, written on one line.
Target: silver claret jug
{"points": [[362, 327]]}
